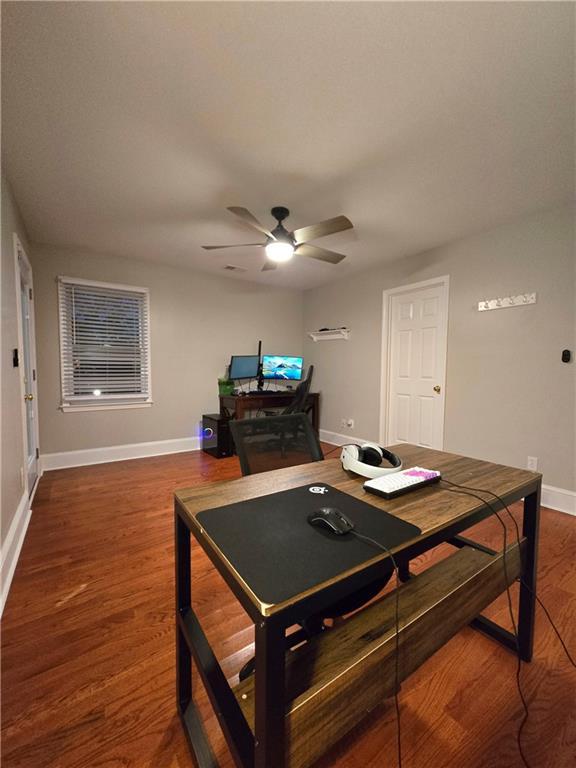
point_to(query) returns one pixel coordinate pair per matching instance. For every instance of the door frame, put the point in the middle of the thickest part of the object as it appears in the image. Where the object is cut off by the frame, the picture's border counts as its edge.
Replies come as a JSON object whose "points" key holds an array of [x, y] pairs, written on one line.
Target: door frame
{"points": [[23, 269], [388, 294]]}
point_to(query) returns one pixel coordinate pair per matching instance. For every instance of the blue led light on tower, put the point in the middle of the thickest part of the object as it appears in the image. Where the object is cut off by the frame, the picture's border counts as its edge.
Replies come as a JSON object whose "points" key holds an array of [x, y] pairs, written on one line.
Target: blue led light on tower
{"points": [[282, 367]]}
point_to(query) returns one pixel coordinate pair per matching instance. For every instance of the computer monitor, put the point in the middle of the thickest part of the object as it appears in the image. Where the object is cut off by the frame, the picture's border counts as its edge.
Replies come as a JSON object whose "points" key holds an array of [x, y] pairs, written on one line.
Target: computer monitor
{"points": [[244, 366], [281, 367]]}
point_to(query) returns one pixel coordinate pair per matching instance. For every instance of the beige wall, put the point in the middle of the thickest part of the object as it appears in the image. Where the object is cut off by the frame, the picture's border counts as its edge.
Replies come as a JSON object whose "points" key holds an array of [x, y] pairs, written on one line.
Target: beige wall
{"points": [[508, 395], [197, 322], [11, 419]]}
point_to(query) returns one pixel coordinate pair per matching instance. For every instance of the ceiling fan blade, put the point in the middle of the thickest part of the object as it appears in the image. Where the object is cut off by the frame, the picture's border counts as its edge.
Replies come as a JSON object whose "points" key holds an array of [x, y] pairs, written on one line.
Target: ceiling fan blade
{"points": [[269, 265], [248, 218], [328, 227], [239, 245], [313, 252]]}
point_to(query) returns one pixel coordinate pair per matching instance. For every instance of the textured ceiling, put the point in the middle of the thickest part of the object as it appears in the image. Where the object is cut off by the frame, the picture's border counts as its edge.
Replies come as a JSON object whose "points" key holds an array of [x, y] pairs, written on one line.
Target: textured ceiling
{"points": [[128, 127]]}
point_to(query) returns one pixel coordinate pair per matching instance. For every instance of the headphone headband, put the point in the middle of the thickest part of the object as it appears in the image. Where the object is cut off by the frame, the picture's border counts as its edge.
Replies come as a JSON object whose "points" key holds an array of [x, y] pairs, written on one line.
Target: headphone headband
{"points": [[351, 461]]}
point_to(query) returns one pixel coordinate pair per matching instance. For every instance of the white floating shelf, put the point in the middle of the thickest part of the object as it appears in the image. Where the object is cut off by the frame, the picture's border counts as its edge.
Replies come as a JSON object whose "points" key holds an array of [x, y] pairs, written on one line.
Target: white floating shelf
{"points": [[331, 335], [508, 301]]}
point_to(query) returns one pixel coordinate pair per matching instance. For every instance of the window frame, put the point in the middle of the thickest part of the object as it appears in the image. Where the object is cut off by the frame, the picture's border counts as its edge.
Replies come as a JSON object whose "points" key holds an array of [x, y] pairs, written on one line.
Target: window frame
{"points": [[103, 402]]}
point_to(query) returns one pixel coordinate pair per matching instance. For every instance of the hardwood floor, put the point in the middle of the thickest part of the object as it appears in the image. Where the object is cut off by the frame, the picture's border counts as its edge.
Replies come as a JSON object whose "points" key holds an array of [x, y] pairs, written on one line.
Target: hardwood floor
{"points": [[88, 642]]}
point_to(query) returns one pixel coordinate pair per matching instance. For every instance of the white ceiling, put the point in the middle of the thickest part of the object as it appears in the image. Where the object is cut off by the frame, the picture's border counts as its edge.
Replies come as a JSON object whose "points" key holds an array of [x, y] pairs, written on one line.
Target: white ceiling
{"points": [[129, 127]]}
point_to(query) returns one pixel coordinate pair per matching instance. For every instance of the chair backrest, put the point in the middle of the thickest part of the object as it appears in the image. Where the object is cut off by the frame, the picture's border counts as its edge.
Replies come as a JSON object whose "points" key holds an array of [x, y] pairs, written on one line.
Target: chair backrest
{"points": [[301, 394], [275, 442]]}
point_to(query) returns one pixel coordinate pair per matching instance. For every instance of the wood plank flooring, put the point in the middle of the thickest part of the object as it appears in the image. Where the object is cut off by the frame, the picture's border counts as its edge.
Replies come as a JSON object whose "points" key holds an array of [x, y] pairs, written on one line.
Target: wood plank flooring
{"points": [[88, 642]]}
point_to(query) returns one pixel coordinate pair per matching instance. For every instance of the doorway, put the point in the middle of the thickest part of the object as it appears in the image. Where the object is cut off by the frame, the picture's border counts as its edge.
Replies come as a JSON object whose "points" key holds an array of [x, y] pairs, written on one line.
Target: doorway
{"points": [[414, 343], [27, 365]]}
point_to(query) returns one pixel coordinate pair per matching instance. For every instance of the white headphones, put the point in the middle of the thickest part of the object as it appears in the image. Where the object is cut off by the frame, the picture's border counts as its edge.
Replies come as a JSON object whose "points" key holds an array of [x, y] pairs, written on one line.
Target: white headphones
{"points": [[366, 459]]}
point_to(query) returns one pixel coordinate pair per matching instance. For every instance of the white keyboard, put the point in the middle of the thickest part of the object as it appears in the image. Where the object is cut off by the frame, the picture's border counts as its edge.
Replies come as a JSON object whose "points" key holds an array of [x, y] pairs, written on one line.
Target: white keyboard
{"points": [[397, 483]]}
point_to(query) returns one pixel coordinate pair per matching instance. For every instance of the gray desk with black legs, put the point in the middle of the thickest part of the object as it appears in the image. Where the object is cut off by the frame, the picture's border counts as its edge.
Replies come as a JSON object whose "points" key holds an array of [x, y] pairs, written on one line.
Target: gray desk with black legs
{"points": [[299, 703]]}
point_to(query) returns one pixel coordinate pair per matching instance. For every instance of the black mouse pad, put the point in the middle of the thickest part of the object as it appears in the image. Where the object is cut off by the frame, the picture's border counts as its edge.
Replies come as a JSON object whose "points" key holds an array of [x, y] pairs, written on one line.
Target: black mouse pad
{"points": [[273, 547]]}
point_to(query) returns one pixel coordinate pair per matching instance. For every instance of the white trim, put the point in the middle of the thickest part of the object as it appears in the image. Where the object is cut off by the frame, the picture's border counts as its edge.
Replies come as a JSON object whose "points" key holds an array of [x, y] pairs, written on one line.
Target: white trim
{"points": [[443, 280], [334, 438], [106, 406], [12, 545], [559, 498], [118, 453], [97, 284]]}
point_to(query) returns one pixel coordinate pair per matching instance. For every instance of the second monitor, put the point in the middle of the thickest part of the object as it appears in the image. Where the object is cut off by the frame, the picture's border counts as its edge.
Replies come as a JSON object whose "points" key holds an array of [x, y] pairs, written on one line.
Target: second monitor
{"points": [[244, 366], [281, 367]]}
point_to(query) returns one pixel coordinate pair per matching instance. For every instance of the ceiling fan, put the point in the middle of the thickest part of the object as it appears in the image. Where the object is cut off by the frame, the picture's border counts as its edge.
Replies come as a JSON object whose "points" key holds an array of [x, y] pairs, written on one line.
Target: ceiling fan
{"points": [[281, 244]]}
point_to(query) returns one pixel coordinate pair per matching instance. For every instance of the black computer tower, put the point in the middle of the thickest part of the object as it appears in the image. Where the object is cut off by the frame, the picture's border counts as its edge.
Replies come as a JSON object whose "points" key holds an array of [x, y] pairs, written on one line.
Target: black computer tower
{"points": [[216, 435]]}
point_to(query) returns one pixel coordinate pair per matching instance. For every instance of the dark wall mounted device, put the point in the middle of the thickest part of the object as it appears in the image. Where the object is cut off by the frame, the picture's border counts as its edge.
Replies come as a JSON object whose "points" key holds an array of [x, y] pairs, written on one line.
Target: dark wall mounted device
{"points": [[566, 355], [15, 361]]}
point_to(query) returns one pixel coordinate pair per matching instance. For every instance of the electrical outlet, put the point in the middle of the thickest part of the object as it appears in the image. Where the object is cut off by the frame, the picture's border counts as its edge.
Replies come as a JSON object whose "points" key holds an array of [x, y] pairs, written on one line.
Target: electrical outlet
{"points": [[532, 463], [350, 423]]}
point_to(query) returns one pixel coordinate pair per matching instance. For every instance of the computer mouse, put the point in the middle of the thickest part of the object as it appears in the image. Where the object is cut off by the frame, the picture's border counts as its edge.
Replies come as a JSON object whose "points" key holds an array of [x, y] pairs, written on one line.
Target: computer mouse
{"points": [[331, 519]]}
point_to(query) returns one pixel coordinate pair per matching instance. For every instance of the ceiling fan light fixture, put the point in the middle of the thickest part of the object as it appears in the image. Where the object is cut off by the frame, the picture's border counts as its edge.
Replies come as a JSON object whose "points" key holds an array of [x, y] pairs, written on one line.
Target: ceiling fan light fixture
{"points": [[281, 245], [279, 251]]}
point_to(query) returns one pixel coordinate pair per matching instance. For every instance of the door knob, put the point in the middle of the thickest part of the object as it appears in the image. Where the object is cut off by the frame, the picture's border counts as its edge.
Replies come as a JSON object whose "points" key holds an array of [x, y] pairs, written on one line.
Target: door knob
{"points": [[29, 397], [437, 388]]}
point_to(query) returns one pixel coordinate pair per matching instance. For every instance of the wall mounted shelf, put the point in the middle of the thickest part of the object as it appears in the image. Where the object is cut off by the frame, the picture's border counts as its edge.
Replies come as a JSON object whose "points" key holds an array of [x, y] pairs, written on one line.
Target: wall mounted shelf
{"points": [[331, 335], [507, 301]]}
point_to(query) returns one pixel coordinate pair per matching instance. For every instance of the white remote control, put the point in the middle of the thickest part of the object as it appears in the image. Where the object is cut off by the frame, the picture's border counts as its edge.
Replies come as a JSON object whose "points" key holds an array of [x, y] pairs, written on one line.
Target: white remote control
{"points": [[397, 483]]}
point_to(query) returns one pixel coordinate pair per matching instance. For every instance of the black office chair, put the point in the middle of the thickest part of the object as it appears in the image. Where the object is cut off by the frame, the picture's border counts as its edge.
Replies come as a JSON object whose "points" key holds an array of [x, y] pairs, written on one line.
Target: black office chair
{"points": [[298, 403], [273, 442], [284, 441]]}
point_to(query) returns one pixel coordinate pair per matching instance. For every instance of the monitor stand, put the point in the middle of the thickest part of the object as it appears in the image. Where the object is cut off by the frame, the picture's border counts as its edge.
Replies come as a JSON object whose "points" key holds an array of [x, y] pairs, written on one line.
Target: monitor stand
{"points": [[260, 376]]}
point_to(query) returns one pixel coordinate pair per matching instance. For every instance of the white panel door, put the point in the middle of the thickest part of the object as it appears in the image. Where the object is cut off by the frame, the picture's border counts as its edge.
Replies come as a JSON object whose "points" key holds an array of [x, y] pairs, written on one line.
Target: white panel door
{"points": [[27, 364], [417, 335]]}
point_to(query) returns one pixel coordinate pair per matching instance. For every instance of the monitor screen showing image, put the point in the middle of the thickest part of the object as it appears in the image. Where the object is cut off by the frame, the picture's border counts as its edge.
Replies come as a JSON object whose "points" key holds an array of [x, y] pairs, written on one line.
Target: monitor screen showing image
{"points": [[282, 367], [244, 366]]}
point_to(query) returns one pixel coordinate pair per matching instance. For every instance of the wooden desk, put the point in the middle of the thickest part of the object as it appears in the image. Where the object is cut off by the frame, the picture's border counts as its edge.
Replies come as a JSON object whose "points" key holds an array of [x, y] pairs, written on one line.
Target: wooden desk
{"points": [[299, 703], [237, 406]]}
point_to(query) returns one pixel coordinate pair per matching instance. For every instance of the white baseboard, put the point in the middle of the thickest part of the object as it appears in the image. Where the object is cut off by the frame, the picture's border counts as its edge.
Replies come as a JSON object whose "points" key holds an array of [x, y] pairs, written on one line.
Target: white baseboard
{"points": [[118, 453], [336, 439], [12, 545], [559, 499]]}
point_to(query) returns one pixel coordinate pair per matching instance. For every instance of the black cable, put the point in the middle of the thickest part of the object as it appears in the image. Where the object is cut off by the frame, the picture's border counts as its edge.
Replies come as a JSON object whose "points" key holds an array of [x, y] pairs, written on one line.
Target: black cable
{"points": [[511, 610], [338, 448], [385, 549], [528, 587], [495, 495], [554, 627]]}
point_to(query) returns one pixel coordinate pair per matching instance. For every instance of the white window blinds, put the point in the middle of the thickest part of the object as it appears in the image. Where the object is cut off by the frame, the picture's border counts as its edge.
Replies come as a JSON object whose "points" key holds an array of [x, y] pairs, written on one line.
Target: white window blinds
{"points": [[104, 342]]}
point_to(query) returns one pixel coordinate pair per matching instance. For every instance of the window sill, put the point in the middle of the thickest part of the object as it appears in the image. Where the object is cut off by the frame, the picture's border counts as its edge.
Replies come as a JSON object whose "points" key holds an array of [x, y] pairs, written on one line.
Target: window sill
{"points": [[79, 407]]}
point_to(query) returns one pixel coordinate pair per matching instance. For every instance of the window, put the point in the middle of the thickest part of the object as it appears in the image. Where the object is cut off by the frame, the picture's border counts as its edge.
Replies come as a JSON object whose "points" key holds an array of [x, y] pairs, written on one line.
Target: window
{"points": [[104, 344]]}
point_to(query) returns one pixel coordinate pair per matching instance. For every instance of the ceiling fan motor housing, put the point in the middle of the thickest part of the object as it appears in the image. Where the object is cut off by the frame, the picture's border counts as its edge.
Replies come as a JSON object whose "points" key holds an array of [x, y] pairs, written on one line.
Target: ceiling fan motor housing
{"points": [[280, 213], [280, 232]]}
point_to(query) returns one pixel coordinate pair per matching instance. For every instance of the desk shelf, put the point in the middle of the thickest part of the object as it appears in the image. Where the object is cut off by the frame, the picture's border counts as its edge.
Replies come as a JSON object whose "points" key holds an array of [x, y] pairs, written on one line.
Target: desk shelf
{"points": [[336, 679]]}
